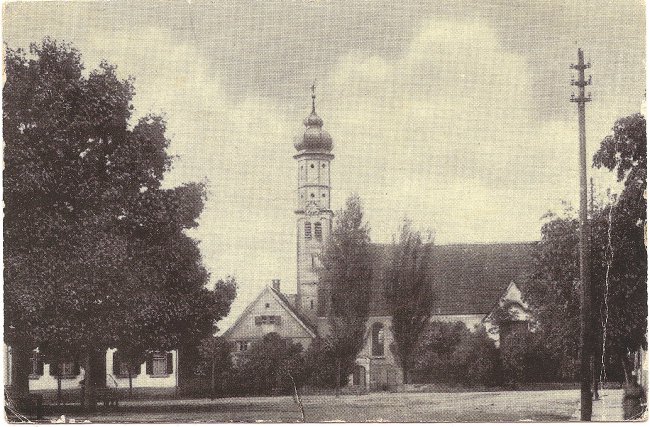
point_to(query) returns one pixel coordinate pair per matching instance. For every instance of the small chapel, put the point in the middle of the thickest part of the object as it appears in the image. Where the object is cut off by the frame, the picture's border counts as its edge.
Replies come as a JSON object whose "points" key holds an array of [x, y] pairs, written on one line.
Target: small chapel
{"points": [[469, 280]]}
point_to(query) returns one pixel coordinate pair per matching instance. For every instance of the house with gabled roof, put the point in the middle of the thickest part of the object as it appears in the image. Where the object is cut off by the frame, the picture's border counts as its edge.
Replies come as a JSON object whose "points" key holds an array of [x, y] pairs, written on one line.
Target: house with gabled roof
{"points": [[271, 311]]}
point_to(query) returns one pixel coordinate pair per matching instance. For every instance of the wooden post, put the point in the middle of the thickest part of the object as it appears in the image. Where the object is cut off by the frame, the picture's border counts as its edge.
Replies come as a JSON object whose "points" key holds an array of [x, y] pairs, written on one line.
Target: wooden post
{"points": [[586, 318]]}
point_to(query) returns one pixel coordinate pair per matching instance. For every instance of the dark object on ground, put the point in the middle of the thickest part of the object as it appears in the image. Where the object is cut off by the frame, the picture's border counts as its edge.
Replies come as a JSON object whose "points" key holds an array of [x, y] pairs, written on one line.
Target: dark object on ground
{"points": [[20, 407], [109, 396], [634, 401]]}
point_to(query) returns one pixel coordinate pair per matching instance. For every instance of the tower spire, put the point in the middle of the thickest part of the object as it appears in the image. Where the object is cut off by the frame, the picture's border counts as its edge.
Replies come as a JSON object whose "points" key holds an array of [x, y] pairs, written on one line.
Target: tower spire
{"points": [[313, 97]]}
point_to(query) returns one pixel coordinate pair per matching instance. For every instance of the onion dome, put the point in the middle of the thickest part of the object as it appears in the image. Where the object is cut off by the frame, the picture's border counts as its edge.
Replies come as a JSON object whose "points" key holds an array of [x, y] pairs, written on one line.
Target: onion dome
{"points": [[314, 138]]}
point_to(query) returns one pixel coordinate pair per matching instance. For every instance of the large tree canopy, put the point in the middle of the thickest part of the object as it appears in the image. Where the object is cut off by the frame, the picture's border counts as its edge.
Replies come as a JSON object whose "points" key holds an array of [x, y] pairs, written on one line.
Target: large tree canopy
{"points": [[618, 261], [95, 250]]}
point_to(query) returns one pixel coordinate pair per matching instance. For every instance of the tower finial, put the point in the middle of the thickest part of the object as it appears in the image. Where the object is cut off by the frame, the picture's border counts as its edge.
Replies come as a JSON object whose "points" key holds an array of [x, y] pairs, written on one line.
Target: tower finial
{"points": [[313, 97]]}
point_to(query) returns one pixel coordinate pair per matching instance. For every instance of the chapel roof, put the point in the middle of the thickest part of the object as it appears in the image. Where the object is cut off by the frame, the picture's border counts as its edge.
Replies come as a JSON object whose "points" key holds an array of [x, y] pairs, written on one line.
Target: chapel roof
{"points": [[289, 300], [465, 278]]}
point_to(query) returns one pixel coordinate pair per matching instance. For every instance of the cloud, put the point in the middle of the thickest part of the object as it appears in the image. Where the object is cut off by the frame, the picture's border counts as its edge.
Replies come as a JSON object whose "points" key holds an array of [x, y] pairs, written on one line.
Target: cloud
{"points": [[445, 133]]}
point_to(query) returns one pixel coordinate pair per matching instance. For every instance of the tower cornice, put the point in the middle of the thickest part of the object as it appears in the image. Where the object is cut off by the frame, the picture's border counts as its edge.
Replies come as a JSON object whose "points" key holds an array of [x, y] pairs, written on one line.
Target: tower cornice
{"points": [[314, 155]]}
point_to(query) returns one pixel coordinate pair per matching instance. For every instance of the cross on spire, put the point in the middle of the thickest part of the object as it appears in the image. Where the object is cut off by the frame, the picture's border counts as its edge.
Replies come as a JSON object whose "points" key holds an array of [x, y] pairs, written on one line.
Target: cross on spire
{"points": [[313, 97]]}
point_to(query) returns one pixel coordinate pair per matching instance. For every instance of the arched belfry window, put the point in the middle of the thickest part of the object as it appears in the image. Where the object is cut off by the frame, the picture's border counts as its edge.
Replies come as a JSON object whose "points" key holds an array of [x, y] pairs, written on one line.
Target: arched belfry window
{"points": [[308, 230], [378, 339]]}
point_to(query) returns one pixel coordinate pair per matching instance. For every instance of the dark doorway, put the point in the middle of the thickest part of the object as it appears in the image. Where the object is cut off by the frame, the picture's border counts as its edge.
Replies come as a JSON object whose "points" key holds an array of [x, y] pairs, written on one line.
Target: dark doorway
{"points": [[359, 376]]}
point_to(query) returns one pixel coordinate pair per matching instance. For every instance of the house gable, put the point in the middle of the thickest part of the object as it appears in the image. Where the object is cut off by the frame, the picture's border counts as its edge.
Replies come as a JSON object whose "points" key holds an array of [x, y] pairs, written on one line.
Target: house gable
{"points": [[269, 313]]}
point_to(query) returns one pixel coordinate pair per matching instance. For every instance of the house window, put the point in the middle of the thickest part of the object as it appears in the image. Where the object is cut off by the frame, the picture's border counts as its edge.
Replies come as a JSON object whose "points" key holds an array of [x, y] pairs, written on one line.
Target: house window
{"points": [[67, 369], [243, 345], [124, 369], [311, 304], [267, 320], [159, 364], [308, 230], [267, 305], [378, 339], [318, 231], [37, 364]]}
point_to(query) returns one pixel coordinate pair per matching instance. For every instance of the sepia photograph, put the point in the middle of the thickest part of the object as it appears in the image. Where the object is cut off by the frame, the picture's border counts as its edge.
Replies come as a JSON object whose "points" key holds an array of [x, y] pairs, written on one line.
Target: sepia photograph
{"points": [[318, 211]]}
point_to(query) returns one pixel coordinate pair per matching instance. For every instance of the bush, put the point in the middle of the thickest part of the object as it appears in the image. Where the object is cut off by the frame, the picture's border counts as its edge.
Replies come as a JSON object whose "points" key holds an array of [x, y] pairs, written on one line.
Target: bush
{"points": [[452, 354], [271, 366], [320, 365], [525, 359], [477, 360]]}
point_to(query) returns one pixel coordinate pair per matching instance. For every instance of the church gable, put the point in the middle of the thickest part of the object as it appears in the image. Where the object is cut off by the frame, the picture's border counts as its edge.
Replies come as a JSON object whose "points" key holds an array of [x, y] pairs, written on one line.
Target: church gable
{"points": [[269, 313]]}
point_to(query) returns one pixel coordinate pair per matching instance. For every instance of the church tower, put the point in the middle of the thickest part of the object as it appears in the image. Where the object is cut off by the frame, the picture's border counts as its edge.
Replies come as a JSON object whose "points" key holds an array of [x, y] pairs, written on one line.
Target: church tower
{"points": [[313, 212]]}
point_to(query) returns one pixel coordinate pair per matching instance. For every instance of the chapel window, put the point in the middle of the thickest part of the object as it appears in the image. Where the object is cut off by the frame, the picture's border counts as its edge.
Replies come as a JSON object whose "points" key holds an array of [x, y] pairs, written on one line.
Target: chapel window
{"points": [[318, 231], [308, 230], [378, 339]]}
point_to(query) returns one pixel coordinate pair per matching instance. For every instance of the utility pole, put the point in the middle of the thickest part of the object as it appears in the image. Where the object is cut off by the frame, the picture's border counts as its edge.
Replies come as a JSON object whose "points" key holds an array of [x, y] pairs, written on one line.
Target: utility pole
{"points": [[586, 317]]}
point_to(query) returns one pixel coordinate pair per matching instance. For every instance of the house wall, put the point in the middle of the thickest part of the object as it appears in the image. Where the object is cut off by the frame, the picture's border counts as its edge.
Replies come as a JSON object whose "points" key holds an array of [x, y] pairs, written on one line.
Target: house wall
{"points": [[289, 327], [142, 380], [49, 382]]}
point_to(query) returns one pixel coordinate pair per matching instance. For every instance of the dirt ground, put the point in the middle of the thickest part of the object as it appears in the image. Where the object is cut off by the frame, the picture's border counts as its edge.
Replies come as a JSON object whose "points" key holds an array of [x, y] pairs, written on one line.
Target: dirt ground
{"points": [[550, 405]]}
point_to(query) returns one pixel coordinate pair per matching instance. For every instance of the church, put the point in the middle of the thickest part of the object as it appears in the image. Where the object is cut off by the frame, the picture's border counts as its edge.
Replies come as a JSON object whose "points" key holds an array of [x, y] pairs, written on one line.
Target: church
{"points": [[469, 280]]}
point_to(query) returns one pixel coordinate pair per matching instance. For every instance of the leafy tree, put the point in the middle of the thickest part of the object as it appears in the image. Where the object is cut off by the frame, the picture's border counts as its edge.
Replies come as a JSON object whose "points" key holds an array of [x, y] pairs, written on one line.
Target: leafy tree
{"points": [[626, 263], [346, 277], [272, 365], [553, 290], [216, 358], [96, 254], [618, 262], [408, 292]]}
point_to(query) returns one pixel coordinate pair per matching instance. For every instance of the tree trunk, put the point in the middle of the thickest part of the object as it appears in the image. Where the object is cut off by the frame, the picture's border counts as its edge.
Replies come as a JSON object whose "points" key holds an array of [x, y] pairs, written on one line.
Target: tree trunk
{"points": [[130, 382], [20, 369], [213, 380], [58, 386], [405, 374], [595, 383], [338, 376], [89, 386]]}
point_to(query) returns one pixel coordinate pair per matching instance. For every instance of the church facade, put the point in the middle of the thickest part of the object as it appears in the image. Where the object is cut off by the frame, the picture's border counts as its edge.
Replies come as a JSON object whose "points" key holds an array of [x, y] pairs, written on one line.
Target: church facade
{"points": [[469, 281]]}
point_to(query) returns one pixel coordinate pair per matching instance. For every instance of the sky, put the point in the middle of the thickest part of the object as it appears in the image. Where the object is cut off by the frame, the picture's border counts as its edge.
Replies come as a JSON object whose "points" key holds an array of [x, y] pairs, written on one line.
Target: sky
{"points": [[453, 113]]}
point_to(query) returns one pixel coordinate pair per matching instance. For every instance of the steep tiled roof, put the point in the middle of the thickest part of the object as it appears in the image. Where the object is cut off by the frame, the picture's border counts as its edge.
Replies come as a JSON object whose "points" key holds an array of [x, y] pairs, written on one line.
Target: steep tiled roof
{"points": [[290, 301], [465, 278]]}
